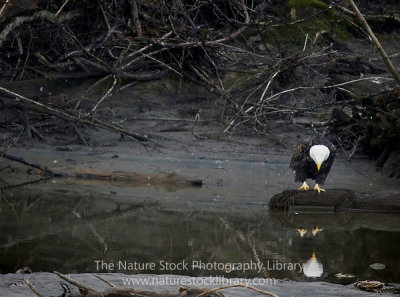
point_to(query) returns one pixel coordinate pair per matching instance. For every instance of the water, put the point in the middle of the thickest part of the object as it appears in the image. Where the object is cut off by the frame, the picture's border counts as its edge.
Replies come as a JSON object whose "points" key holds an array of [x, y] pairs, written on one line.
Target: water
{"points": [[64, 226]]}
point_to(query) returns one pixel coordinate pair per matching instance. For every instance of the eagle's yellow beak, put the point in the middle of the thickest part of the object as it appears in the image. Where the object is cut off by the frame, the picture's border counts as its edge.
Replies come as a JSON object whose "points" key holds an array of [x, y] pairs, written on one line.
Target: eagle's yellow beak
{"points": [[318, 166]]}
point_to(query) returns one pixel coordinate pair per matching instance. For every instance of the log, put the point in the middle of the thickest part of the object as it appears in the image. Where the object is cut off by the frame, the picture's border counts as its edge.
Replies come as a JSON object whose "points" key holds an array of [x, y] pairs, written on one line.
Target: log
{"points": [[95, 177], [167, 181], [338, 200], [31, 164]]}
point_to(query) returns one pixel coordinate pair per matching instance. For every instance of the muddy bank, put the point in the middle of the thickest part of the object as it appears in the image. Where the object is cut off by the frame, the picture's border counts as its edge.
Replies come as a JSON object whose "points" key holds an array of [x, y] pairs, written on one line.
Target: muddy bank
{"points": [[236, 170], [49, 284], [290, 70]]}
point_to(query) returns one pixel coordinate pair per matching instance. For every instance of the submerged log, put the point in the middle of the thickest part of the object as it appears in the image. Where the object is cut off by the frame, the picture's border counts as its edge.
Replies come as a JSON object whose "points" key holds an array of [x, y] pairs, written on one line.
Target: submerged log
{"points": [[97, 177], [167, 181], [337, 200]]}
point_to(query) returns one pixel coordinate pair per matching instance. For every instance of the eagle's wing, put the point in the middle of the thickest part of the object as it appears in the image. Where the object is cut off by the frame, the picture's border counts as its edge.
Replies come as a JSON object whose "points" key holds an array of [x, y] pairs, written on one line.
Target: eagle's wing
{"points": [[332, 148], [326, 166], [300, 154], [332, 155]]}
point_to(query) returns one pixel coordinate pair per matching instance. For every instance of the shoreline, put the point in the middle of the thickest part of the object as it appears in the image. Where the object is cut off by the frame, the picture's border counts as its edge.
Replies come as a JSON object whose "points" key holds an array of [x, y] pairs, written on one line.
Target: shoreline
{"points": [[48, 284]]}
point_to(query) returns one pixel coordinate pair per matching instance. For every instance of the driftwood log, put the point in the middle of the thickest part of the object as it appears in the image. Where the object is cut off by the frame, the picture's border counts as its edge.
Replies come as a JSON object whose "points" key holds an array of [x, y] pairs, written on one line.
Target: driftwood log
{"points": [[44, 169], [167, 181], [87, 291], [338, 200]]}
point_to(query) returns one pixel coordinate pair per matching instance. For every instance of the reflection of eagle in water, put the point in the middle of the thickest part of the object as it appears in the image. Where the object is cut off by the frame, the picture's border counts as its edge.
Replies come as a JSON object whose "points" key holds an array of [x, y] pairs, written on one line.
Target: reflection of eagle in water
{"points": [[313, 159]]}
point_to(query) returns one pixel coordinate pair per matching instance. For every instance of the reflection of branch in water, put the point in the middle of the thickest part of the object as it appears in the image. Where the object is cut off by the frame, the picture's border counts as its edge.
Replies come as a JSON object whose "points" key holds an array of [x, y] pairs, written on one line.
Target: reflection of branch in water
{"points": [[249, 244], [117, 213], [85, 221], [81, 244], [26, 205], [256, 257], [99, 238], [214, 239], [267, 251], [247, 241], [73, 213], [16, 241], [32, 182], [21, 207]]}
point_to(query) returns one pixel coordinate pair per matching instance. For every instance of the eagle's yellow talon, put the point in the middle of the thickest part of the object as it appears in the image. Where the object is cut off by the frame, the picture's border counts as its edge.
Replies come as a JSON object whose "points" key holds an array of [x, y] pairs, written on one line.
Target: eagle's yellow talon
{"points": [[317, 188], [316, 230], [302, 232], [304, 187]]}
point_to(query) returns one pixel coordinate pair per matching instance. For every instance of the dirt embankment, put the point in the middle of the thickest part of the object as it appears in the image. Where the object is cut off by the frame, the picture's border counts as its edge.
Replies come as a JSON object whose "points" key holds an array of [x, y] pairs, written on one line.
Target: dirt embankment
{"points": [[259, 65]]}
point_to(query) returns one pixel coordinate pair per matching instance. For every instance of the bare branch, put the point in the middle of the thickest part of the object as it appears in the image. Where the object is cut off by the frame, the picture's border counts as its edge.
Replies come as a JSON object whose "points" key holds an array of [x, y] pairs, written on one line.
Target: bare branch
{"points": [[40, 15], [75, 118], [375, 40]]}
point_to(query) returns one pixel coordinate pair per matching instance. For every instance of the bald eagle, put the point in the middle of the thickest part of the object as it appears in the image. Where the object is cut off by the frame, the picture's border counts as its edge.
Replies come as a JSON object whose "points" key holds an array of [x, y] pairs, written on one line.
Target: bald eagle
{"points": [[313, 159]]}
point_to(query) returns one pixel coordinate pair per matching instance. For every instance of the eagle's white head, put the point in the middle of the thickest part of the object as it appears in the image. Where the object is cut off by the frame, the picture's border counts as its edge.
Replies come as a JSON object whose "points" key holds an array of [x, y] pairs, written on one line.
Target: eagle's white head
{"points": [[319, 153]]}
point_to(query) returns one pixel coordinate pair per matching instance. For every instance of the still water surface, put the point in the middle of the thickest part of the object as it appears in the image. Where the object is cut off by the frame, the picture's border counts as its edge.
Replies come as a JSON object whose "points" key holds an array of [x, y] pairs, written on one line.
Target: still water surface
{"points": [[51, 227]]}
